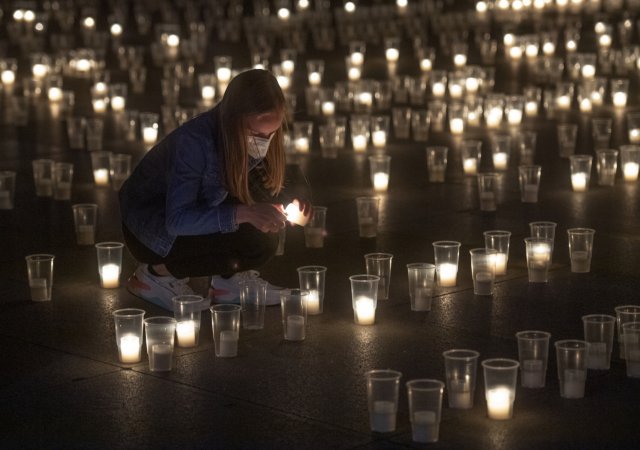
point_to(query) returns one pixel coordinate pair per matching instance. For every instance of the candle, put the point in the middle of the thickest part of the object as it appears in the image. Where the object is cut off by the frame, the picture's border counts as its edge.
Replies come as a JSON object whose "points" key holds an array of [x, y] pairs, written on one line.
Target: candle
{"points": [[424, 426], [301, 144], [55, 94], [596, 98], [117, 103], [186, 332], [62, 191], [515, 52], [531, 50], [548, 48], [354, 73], [314, 237], [447, 274], [44, 188], [85, 234], [530, 193], [39, 70], [367, 227], [110, 276], [359, 142], [160, 357], [223, 74], [315, 79], [392, 54], [379, 138], [313, 302], [437, 173], [494, 117], [472, 85], [563, 102], [588, 71], [287, 67], [228, 345], [149, 134], [580, 261], [422, 298], [438, 89], [579, 182], [620, 99], [39, 289], [101, 177], [365, 311], [456, 125], [295, 328], [8, 76], [380, 181], [459, 60], [470, 166], [99, 105], [514, 116], [100, 88], [499, 403], [328, 108], [357, 58], [541, 253], [365, 98], [129, 349], [573, 385], [533, 373], [460, 394], [426, 65], [597, 358], [586, 105], [531, 108], [487, 201], [631, 170], [208, 93], [634, 135], [294, 215], [383, 416], [455, 90], [83, 65], [501, 263], [483, 283]]}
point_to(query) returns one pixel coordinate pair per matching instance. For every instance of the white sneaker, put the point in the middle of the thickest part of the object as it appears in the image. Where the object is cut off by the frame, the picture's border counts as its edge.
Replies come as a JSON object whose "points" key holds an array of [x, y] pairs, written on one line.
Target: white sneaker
{"points": [[227, 290], [159, 290]]}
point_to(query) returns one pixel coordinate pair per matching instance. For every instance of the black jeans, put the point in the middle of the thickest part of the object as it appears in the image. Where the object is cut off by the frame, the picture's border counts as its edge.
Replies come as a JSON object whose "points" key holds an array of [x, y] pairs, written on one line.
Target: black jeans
{"points": [[210, 254]]}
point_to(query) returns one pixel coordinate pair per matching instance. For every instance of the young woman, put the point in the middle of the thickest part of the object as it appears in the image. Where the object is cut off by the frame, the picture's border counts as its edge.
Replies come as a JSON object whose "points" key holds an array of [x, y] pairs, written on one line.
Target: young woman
{"points": [[208, 199]]}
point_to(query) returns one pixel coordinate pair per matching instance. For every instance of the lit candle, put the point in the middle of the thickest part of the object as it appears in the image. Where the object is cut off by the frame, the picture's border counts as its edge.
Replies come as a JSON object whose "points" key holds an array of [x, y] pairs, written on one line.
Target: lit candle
{"points": [[379, 138], [426, 65], [354, 73], [223, 74], [634, 135], [302, 144], [315, 79], [208, 93], [55, 94], [499, 403], [424, 427], [620, 99], [380, 181], [110, 276], [328, 108], [481, 7], [39, 70], [447, 274], [294, 215], [470, 166], [365, 311], [83, 65], [117, 103], [99, 105], [586, 105], [531, 108], [295, 327], [455, 90], [563, 102], [129, 349], [494, 117], [149, 134], [365, 98], [596, 98], [630, 170], [472, 85], [186, 332], [473, 118], [579, 182], [501, 263], [459, 60], [456, 125], [531, 50], [438, 89], [288, 67], [8, 77], [313, 302], [548, 48], [392, 54], [284, 14], [357, 58], [514, 117], [500, 161], [228, 344], [515, 52], [101, 177], [588, 71], [359, 142], [541, 254]]}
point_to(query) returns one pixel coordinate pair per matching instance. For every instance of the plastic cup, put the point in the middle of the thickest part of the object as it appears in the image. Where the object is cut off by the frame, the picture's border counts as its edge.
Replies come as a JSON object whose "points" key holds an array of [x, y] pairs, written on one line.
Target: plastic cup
{"points": [[75, 131], [437, 163], [425, 408], [461, 367], [580, 172], [625, 314], [225, 323], [498, 240], [380, 165], [631, 332], [312, 280], [380, 264], [187, 312], [529, 178], [40, 272], [598, 332], [500, 377], [533, 353], [544, 229], [62, 180], [446, 254], [368, 210], [567, 135], [538, 259], [382, 395], [253, 297], [85, 218], [580, 248], [120, 169], [601, 132], [421, 285], [294, 313], [129, 332], [109, 263], [500, 151], [607, 166], [487, 191], [95, 132], [364, 298], [43, 177], [572, 367], [314, 230], [160, 332], [7, 189], [483, 270]]}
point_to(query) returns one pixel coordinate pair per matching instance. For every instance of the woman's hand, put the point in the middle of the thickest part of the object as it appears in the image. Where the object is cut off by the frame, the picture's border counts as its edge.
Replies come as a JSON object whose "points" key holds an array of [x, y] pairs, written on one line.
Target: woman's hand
{"points": [[299, 211], [265, 217]]}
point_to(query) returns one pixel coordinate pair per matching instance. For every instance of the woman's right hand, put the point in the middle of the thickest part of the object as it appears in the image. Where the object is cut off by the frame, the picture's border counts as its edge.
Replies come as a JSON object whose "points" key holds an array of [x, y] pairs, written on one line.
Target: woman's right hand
{"points": [[266, 217]]}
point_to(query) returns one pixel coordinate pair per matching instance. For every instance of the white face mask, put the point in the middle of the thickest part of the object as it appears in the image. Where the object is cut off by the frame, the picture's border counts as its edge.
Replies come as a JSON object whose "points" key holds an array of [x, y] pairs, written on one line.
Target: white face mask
{"points": [[258, 146]]}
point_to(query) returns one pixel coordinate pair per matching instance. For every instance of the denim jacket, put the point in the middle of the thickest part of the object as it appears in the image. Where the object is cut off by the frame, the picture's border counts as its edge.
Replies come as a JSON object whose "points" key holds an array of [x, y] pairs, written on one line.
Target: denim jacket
{"points": [[178, 188]]}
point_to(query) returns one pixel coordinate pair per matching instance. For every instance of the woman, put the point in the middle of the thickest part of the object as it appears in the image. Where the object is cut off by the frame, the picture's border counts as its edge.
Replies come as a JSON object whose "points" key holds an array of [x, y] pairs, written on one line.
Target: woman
{"points": [[208, 200]]}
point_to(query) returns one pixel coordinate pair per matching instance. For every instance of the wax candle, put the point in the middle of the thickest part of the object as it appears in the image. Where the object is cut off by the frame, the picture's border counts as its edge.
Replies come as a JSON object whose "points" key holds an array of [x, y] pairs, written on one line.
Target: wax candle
{"points": [[579, 182], [483, 283], [573, 384], [55, 94], [487, 201], [208, 93], [456, 125], [357, 58], [160, 358], [186, 332], [288, 67], [580, 261], [392, 54], [129, 349], [460, 393], [8, 77], [533, 373], [301, 144], [598, 357], [634, 135], [359, 142], [447, 274], [366, 99], [228, 345], [294, 215], [313, 302], [514, 116], [563, 102], [117, 103], [99, 105], [500, 161], [315, 79], [586, 105], [472, 85], [39, 290], [630, 171], [149, 134], [379, 138], [531, 108], [85, 234], [494, 117], [39, 70], [541, 253], [620, 99], [499, 403], [353, 73], [470, 166], [422, 297], [588, 71], [223, 74], [110, 276], [365, 311], [438, 89], [101, 177], [328, 108], [424, 426], [380, 181], [383, 416], [515, 52], [455, 90], [501, 263], [426, 64], [459, 60], [295, 327], [596, 98]]}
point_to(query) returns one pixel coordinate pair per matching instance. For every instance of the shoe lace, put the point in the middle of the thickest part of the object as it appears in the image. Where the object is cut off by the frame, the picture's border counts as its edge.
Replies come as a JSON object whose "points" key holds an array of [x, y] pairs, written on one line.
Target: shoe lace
{"points": [[180, 286], [248, 275]]}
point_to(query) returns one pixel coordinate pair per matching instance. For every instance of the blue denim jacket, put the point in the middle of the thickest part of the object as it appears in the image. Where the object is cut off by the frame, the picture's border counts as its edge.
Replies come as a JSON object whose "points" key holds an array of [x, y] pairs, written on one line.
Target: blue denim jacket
{"points": [[178, 188]]}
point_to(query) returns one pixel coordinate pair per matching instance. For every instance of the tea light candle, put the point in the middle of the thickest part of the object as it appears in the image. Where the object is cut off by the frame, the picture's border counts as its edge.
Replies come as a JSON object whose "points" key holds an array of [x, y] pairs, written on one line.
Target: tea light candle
{"points": [[85, 235], [588, 71], [186, 332], [548, 48], [604, 40], [110, 276], [620, 99], [295, 327], [514, 117], [460, 394], [598, 357], [438, 89], [101, 177], [515, 52], [99, 105], [470, 166], [115, 30], [208, 93], [357, 58], [380, 181], [499, 403], [301, 144], [354, 73], [586, 105], [100, 88], [424, 427], [328, 108], [160, 357], [596, 98], [494, 117], [294, 215], [634, 135], [456, 125], [483, 283], [533, 373], [422, 298], [563, 102], [288, 67], [500, 161], [541, 253], [392, 54], [579, 182], [481, 7], [117, 103], [473, 118], [630, 171], [365, 311], [315, 79], [83, 65], [501, 263], [62, 190], [228, 344], [530, 193], [379, 138], [471, 85], [359, 142], [383, 417], [39, 71], [455, 90], [223, 74], [284, 14], [633, 364], [129, 349], [38, 288], [8, 77], [447, 274], [531, 108], [55, 94], [459, 60], [313, 302], [426, 65], [149, 134], [574, 383], [531, 50], [365, 98]]}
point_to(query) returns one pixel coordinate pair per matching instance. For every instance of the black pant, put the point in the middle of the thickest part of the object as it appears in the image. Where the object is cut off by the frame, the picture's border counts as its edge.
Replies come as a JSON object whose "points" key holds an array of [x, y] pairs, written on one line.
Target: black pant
{"points": [[210, 254]]}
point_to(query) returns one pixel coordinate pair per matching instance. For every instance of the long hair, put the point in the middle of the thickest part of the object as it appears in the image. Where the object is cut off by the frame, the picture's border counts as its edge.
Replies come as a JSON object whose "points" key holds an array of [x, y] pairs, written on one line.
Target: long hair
{"points": [[254, 91]]}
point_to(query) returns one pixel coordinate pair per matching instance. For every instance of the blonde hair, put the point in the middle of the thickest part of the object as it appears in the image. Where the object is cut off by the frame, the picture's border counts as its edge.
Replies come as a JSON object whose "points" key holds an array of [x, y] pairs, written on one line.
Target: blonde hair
{"points": [[251, 92]]}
